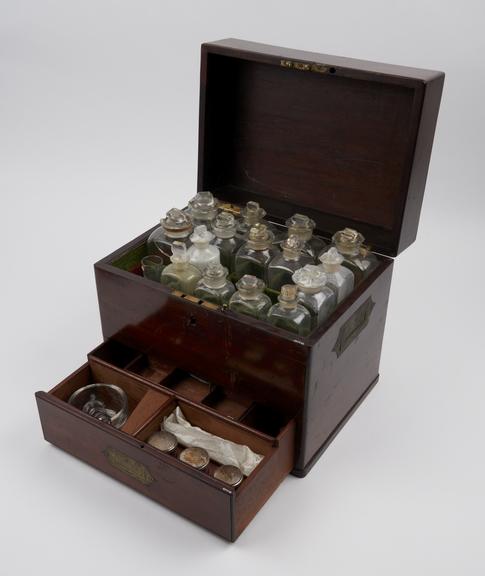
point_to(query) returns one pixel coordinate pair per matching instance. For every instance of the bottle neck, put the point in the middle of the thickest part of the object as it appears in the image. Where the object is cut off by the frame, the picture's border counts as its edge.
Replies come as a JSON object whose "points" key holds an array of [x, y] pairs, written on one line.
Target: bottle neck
{"points": [[330, 268], [288, 305], [308, 290], [218, 283], [177, 233], [201, 245], [291, 255], [303, 235]]}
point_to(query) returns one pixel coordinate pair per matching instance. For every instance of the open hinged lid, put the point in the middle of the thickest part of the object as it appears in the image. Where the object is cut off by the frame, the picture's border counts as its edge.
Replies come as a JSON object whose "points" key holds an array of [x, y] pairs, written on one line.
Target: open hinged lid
{"points": [[345, 141]]}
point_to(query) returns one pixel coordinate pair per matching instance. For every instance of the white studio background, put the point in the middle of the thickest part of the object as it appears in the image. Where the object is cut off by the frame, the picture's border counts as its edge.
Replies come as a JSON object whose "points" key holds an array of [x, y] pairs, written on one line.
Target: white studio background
{"points": [[98, 138]]}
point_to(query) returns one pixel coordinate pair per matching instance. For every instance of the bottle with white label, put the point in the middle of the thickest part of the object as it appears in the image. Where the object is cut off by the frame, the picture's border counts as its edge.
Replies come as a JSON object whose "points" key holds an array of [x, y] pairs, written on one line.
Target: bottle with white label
{"points": [[202, 253]]}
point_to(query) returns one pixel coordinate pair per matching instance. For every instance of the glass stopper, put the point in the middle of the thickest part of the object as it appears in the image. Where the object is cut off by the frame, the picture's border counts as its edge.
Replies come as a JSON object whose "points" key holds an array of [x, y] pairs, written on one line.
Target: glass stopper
{"points": [[288, 294], [300, 225], [224, 225], [310, 277], [250, 285], [331, 260], [253, 213], [179, 253], [201, 235], [215, 275], [292, 246], [348, 241], [176, 221]]}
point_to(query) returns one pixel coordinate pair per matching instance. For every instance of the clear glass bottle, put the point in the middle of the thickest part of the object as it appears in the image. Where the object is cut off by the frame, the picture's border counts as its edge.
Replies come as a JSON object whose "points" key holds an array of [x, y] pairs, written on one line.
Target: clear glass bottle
{"points": [[289, 314], [284, 264], [250, 298], [302, 226], [176, 225], [202, 253], [214, 286], [254, 256], [357, 258], [253, 214], [224, 229], [203, 209], [320, 300], [339, 278], [180, 274]]}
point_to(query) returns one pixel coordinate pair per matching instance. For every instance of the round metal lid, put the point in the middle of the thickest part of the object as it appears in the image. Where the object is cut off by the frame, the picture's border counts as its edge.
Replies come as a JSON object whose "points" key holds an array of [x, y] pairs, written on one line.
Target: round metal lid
{"points": [[196, 457], [229, 474], [164, 441]]}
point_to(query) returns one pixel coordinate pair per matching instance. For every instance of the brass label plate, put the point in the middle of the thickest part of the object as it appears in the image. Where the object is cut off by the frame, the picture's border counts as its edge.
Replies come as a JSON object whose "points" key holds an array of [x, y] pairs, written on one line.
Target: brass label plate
{"points": [[305, 66], [351, 329], [129, 466]]}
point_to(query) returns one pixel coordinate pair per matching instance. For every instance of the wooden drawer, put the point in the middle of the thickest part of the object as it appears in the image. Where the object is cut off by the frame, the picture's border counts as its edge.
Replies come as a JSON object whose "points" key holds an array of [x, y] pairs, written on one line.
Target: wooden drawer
{"points": [[125, 455]]}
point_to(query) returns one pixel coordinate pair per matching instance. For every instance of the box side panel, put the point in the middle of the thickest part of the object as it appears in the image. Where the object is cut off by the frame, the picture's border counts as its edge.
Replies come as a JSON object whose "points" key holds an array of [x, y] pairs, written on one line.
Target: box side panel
{"points": [[126, 461], [344, 364]]}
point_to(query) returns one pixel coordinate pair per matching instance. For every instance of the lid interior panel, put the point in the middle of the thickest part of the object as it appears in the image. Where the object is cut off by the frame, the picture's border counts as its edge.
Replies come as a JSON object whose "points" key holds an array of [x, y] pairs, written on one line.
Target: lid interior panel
{"points": [[335, 146]]}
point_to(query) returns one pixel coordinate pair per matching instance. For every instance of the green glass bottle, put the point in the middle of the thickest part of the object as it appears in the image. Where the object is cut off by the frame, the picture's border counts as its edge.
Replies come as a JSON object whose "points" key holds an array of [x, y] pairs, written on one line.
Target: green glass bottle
{"points": [[224, 229]]}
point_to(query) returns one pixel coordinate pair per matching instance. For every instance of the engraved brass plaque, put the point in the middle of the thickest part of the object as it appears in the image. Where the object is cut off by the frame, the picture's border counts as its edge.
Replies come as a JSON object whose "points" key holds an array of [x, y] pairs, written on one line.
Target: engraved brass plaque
{"points": [[129, 466], [305, 66], [351, 329]]}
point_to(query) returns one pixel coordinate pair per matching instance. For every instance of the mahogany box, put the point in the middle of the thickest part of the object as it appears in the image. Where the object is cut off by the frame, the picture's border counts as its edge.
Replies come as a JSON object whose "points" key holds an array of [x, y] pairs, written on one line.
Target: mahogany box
{"points": [[348, 143]]}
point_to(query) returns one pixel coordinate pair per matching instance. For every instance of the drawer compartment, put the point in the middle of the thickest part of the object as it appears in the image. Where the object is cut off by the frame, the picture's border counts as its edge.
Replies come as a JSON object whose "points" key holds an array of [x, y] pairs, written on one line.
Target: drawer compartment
{"points": [[125, 455]]}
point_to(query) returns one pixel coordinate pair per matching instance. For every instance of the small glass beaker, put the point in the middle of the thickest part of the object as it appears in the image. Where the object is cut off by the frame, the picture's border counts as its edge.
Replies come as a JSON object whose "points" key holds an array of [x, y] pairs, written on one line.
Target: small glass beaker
{"points": [[152, 267]]}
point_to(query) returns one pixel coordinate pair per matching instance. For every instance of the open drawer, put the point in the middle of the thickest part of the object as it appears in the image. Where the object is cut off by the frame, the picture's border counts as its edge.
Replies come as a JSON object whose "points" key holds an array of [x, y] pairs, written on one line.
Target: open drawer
{"points": [[125, 455]]}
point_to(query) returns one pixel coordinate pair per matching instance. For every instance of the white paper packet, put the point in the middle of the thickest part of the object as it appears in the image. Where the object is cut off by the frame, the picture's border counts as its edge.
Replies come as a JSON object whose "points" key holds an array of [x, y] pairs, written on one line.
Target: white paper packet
{"points": [[220, 450]]}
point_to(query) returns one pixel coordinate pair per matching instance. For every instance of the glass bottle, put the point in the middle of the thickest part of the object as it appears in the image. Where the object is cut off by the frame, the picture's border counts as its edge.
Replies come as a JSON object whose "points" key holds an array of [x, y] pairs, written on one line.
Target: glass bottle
{"points": [[180, 274], [214, 286], [203, 209], [356, 257], [289, 314], [250, 298], [176, 225], [302, 226], [224, 229], [152, 267], [320, 300], [254, 256], [253, 214], [284, 264], [339, 278], [202, 253]]}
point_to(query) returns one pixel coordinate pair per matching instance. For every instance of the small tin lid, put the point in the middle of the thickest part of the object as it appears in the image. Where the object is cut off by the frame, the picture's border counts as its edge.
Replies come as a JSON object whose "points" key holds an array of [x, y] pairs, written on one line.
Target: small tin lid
{"points": [[228, 474], [196, 457], [163, 440]]}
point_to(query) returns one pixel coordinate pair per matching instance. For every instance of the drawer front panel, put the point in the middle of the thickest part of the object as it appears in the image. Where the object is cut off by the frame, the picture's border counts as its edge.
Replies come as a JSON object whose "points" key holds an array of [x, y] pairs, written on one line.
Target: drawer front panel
{"points": [[184, 491]]}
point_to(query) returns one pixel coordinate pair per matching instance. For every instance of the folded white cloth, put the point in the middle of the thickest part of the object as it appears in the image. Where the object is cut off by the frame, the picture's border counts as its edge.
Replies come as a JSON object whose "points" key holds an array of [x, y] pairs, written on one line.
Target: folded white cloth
{"points": [[220, 450]]}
